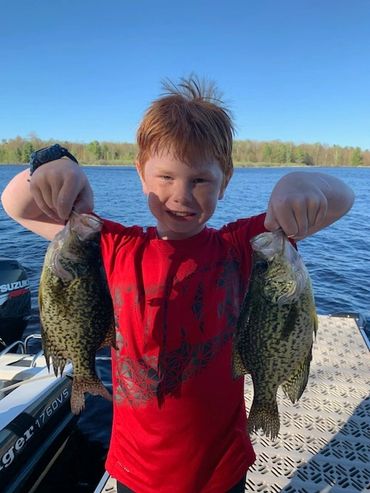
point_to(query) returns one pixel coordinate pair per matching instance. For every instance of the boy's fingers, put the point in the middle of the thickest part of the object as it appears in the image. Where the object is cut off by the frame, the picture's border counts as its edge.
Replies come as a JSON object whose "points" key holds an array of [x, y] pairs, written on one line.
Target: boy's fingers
{"points": [[321, 214], [271, 223], [68, 195], [317, 213], [287, 222], [84, 203], [85, 200], [43, 206], [301, 223], [64, 206]]}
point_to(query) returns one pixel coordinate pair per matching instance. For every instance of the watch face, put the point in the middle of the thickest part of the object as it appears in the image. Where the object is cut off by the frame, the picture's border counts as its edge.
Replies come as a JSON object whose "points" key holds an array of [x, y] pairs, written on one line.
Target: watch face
{"points": [[48, 154]]}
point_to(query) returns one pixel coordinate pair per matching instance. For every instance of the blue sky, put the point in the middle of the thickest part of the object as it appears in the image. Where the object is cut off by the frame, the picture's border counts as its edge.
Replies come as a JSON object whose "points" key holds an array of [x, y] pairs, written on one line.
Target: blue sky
{"points": [[294, 70]]}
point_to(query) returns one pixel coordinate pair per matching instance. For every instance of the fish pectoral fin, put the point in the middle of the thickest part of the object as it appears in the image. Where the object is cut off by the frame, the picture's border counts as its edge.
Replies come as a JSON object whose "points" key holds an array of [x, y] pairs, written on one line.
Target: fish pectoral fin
{"points": [[58, 362], [296, 384], [53, 359], [290, 322]]}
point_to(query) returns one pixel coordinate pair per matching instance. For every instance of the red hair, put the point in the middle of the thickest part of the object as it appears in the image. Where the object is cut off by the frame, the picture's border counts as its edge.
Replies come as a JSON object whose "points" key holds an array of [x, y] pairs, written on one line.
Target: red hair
{"points": [[190, 121]]}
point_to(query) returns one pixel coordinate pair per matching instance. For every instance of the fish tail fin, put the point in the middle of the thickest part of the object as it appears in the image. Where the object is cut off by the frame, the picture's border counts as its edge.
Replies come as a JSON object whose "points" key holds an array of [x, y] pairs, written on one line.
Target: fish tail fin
{"points": [[264, 417], [80, 385], [296, 384]]}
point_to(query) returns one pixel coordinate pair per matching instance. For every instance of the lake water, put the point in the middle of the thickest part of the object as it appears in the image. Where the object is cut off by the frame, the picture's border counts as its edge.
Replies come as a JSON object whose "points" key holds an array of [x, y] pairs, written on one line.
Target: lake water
{"points": [[338, 259]]}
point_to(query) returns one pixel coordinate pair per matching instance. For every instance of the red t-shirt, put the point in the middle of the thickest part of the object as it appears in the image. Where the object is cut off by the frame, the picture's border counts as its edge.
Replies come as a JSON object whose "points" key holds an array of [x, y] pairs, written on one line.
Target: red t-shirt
{"points": [[179, 420]]}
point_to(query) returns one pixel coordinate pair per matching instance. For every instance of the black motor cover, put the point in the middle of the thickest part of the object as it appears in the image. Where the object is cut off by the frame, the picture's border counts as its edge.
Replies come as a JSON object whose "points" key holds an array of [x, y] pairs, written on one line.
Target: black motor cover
{"points": [[15, 300]]}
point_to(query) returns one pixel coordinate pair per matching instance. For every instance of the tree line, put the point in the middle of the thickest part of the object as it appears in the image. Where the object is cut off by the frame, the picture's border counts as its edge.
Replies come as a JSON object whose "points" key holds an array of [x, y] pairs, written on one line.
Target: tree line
{"points": [[245, 152]]}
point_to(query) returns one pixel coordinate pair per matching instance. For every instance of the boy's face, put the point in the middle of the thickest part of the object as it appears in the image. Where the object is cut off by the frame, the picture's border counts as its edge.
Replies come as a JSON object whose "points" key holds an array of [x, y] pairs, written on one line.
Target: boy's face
{"points": [[181, 197]]}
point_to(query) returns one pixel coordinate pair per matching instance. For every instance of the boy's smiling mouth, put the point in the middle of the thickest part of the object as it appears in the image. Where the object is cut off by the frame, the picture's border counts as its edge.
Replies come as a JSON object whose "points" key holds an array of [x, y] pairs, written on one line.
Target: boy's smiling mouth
{"points": [[181, 213]]}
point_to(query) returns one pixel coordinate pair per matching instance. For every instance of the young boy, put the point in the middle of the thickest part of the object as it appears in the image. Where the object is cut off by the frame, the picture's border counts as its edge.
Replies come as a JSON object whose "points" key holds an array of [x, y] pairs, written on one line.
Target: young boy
{"points": [[179, 417]]}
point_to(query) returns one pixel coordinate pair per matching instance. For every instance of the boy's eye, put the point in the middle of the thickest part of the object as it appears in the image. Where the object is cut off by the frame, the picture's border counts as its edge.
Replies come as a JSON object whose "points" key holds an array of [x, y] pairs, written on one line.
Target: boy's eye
{"points": [[199, 180], [165, 177]]}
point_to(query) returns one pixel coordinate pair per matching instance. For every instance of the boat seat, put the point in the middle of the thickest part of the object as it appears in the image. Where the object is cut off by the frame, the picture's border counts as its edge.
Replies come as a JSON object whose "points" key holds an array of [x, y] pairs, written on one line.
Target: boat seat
{"points": [[21, 359], [12, 358], [17, 373]]}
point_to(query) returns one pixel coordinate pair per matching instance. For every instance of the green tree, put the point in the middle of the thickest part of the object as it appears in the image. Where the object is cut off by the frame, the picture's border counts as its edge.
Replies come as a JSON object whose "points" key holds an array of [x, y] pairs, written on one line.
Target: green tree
{"points": [[357, 159], [95, 149], [279, 153], [299, 155], [267, 153], [27, 150], [18, 155]]}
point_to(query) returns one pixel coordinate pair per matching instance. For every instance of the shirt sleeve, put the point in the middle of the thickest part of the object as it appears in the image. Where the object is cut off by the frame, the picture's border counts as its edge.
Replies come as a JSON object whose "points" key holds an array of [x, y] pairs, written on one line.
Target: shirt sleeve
{"points": [[238, 235], [240, 232]]}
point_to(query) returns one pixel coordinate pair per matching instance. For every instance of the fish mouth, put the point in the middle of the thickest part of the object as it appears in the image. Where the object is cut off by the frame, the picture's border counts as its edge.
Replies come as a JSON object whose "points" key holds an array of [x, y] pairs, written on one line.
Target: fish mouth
{"points": [[269, 244], [84, 225], [85, 216]]}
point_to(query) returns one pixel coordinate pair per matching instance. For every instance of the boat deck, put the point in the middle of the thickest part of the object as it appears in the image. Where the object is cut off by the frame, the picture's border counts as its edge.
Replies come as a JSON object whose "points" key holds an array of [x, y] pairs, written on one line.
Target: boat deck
{"points": [[324, 440], [35, 416]]}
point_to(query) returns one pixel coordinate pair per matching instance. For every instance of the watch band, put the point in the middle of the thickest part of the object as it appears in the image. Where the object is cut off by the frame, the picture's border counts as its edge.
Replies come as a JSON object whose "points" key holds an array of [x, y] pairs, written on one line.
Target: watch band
{"points": [[47, 154]]}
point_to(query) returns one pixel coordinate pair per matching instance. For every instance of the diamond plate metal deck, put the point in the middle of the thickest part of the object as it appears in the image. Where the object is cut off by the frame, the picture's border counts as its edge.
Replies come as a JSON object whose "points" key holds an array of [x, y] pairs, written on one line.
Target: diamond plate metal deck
{"points": [[324, 440]]}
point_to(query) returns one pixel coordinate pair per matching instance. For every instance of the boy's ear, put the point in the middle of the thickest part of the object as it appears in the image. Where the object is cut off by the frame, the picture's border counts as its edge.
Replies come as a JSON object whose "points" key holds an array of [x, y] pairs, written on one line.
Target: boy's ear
{"points": [[224, 184], [140, 170]]}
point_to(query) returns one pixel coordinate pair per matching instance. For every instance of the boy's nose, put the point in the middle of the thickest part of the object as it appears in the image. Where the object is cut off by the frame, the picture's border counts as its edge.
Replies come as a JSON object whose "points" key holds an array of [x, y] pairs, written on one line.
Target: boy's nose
{"points": [[182, 193]]}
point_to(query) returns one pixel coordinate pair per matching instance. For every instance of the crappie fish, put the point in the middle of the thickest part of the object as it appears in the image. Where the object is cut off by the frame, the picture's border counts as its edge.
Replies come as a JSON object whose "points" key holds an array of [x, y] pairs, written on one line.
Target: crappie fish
{"points": [[76, 309], [276, 327]]}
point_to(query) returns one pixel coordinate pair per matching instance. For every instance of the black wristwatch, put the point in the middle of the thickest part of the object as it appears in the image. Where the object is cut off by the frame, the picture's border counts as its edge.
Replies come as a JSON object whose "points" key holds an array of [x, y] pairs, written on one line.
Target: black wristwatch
{"points": [[47, 154]]}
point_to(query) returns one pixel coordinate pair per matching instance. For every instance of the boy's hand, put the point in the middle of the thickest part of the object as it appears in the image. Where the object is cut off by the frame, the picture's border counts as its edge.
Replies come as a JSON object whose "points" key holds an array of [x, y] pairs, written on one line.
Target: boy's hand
{"points": [[296, 212], [302, 203], [58, 186]]}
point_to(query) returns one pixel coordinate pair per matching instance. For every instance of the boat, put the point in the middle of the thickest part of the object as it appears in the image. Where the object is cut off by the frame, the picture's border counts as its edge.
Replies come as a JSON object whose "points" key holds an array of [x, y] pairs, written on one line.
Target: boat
{"points": [[35, 415], [324, 440], [15, 300]]}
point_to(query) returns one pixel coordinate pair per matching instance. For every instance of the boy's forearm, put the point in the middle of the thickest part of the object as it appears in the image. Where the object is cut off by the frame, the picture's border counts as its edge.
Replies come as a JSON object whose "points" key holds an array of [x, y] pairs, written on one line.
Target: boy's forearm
{"points": [[19, 204], [44, 202], [17, 199]]}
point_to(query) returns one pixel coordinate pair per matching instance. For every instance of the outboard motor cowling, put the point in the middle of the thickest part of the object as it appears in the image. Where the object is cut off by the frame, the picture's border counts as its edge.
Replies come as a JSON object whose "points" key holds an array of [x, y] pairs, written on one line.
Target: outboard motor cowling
{"points": [[15, 300]]}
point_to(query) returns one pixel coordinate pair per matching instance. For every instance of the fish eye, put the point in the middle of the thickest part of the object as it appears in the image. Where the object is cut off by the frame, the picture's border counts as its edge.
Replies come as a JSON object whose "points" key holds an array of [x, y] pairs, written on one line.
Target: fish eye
{"points": [[262, 264]]}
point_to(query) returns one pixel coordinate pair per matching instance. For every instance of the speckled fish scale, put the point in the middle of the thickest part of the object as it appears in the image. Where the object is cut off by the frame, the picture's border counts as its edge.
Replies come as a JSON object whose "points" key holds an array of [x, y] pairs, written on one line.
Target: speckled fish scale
{"points": [[276, 327], [75, 306]]}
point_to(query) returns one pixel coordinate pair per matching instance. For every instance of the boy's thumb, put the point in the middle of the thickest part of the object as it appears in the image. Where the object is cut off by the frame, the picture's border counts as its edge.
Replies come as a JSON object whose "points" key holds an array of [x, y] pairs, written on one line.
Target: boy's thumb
{"points": [[85, 201]]}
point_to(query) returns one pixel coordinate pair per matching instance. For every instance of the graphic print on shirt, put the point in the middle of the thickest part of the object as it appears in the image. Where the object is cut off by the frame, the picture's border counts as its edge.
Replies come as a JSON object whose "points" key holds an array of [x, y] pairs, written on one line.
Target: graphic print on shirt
{"points": [[176, 343]]}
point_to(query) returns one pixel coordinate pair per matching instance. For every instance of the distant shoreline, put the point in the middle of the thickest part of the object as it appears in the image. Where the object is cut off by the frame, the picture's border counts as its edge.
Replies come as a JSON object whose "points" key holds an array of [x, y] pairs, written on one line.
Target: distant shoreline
{"points": [[245, 153], [236, 165]]}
